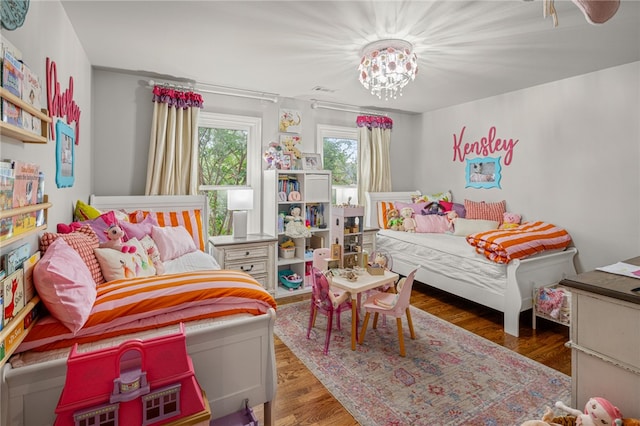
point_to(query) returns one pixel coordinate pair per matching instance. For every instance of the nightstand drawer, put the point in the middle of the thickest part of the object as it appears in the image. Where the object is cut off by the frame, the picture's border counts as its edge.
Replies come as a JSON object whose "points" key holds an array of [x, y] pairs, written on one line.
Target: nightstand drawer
{"points": [[250, 266], [251, 252]]}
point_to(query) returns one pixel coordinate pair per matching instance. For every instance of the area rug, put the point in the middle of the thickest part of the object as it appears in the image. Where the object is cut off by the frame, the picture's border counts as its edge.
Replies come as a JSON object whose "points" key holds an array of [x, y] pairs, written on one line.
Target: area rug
{"points": [[449, 376]]}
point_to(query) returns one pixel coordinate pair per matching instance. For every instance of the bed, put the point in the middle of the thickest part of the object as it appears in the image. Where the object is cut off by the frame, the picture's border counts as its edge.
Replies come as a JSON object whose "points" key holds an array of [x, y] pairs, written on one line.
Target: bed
{"points": [[450, 264], [233, 356]]}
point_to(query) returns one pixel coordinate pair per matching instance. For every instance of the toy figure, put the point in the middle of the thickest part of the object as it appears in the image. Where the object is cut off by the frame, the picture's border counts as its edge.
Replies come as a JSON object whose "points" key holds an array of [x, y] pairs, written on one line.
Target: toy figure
{"points": [[115, 234]]}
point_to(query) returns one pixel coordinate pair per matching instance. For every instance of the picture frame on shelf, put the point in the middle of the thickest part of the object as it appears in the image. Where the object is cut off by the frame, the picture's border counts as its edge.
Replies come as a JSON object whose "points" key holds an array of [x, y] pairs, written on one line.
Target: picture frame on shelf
{"points": [[287, 161], [311, 161], [65, 155]]}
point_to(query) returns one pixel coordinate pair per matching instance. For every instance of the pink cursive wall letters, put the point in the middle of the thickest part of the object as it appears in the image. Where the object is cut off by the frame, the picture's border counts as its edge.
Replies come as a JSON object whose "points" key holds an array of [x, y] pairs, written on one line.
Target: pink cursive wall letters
{"points": [[485, 146], [61, 104]]}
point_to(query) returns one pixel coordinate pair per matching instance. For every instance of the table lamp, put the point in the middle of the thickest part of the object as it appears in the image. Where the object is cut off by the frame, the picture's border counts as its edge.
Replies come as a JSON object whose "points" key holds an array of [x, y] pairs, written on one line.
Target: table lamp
{"points": [[239, 201]]}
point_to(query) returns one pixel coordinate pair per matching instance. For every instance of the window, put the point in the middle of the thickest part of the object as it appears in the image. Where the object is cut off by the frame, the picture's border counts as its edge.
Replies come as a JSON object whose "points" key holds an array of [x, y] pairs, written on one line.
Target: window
{"points": [[229, 156], [102, 416], [161, 405], [339, 149]]}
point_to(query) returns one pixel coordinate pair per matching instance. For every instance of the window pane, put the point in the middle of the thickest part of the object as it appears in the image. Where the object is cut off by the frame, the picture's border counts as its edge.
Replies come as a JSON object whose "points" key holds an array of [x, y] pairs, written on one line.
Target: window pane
{"points": [[223, 161], [341, 156]]}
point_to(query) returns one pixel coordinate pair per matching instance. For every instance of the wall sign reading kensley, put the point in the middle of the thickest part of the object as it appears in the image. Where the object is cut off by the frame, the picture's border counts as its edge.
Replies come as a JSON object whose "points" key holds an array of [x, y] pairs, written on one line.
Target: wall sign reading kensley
{"points": [[487, 145], [61, 104]]}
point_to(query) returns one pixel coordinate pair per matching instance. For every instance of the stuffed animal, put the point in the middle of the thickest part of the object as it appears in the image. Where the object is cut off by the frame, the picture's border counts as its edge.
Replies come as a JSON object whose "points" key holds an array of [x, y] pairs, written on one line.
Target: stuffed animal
{"points": [[114, 233], [510, 220], [548, 419], [597, 411], [394, 221], [289, 145], [294, 224], [408, 222]]}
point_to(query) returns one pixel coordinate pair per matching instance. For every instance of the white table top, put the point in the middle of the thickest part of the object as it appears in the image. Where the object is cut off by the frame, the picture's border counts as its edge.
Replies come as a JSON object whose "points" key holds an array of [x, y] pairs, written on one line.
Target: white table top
{"points": [[364, 282]]}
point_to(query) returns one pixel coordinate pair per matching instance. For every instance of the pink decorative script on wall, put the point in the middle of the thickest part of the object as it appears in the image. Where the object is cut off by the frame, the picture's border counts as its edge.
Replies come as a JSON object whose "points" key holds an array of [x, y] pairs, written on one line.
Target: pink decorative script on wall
{"points": [[485, 146], [61, 104]]}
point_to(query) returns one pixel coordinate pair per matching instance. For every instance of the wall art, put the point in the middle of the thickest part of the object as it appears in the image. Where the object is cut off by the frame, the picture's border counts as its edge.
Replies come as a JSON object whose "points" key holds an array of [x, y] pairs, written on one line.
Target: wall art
{"points": [[290, 120], [484, 172], [65, 155]]}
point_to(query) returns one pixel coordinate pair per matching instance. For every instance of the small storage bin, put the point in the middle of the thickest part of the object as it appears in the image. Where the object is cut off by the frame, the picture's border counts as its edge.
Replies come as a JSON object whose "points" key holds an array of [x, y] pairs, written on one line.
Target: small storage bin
{"points": [[284, 277], [287, 253], [552, 303]]}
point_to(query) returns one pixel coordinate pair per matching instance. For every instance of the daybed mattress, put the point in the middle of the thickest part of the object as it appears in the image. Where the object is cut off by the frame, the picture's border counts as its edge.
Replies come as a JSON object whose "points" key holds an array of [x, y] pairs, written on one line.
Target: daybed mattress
{"points": [[444, 254]]}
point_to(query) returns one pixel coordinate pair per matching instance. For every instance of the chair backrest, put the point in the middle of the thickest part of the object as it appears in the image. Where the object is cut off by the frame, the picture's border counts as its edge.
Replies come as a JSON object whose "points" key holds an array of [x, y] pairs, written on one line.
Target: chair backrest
{"points": [[404, 293], [320, 290], [320, 256]]}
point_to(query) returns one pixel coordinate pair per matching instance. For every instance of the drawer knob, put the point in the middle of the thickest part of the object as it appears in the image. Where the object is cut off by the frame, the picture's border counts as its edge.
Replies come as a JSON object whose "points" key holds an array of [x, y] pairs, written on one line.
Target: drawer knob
{"points": [[246, 270]]}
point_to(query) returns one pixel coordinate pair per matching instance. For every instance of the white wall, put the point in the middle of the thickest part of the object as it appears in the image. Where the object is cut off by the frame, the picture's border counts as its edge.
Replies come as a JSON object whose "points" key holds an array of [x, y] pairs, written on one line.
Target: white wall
{"points": [[576, 163], [48, 33]]}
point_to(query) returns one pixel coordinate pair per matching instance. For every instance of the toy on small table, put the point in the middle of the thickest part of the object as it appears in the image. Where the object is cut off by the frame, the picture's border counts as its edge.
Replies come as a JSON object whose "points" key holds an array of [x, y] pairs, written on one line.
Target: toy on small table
{"points": [[115, 235]]}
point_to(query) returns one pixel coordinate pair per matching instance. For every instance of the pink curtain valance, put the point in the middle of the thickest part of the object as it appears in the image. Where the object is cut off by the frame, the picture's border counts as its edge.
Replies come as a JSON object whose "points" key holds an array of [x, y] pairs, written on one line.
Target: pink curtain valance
{"points": [[177, 98], [374, 121]]}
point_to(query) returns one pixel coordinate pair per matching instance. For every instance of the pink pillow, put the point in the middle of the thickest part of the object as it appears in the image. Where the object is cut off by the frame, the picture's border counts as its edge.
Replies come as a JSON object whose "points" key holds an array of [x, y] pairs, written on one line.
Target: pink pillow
{"points": [[432, 223], [65, 285], [138, 230], [100, 224], [416, 207], [485, 211], [172, 241]]}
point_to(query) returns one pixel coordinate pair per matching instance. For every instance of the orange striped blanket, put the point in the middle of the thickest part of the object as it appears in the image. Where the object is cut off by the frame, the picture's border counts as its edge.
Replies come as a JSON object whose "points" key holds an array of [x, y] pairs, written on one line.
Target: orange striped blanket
{"points": [[504, 245], [131, 305]]}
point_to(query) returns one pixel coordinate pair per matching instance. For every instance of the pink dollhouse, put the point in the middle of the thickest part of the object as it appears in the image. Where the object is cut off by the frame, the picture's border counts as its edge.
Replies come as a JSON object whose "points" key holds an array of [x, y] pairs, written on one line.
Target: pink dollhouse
{"points": [[149, 382]]}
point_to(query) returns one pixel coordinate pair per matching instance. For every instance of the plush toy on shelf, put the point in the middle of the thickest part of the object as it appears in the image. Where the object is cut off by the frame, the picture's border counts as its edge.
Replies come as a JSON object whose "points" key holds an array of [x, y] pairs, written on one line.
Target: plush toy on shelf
{"points": [[294, 224], [115, 234], [408, 222]]}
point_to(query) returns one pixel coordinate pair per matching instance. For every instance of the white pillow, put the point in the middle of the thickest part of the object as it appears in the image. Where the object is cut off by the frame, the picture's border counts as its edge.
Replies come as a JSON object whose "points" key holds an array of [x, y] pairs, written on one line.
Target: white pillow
{"points": [[116, 265], [172, 241], [464, 227]]}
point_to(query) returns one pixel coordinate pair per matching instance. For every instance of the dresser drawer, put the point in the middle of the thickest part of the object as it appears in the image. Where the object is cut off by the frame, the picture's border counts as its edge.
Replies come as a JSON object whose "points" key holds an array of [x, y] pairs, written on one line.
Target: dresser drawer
{"points": [[247, 252], [263, 279], [250, 266]]}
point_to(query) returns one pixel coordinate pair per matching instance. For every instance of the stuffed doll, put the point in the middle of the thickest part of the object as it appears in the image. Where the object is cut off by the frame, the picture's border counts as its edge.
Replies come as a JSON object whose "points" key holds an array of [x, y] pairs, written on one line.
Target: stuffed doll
{"points": [[510, 220], [294, 224], [394, 221], [114, 233], [548, 419], [408, 222], [597, 411]]}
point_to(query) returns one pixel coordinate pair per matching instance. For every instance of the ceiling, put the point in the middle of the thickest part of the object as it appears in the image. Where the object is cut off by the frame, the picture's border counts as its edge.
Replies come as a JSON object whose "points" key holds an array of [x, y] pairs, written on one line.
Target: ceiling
{"points": [[467, 50]]}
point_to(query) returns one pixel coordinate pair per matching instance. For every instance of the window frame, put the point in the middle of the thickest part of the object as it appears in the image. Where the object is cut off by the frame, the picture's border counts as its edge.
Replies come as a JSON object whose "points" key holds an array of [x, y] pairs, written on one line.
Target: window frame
{"points": [[253, 127]]}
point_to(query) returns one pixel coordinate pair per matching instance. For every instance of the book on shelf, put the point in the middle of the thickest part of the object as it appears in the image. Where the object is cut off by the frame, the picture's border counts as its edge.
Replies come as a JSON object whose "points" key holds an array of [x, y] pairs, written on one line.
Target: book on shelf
{"points": [[16, 331], [12, 75], [11, 114], [27, 267], [25, 183], [12, 295], [24, 222], [13, 259], [6, 185], [6, 228], [40, 199], [31, 94]]}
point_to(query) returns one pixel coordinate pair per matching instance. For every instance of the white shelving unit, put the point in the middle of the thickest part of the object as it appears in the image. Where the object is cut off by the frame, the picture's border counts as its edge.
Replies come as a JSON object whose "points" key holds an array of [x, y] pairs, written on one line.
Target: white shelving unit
{"points": [[311, 191], [347, 229]]}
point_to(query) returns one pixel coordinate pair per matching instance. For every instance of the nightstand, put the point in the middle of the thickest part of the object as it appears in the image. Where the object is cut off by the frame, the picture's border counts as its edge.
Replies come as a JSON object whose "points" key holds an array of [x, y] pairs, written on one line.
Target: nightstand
{"points": [[255, 255]]}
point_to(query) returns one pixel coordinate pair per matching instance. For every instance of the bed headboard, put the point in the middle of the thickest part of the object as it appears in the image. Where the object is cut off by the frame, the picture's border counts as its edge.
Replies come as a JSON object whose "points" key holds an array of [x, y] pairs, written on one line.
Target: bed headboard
{"points": [[372, 198], [158, 203]]}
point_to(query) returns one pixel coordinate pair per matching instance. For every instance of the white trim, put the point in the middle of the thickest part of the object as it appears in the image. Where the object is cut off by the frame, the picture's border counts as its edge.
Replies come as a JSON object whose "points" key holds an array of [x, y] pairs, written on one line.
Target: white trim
{"points": [[329, 131]]}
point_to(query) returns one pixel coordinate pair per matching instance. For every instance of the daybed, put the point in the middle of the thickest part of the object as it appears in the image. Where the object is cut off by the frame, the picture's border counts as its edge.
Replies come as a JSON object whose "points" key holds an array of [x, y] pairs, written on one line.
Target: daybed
{"points": [[233, 356], [449, 263]]}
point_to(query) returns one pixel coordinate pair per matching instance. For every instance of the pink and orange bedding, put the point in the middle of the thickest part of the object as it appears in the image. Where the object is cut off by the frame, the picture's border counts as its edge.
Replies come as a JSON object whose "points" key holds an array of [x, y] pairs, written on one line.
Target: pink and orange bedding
{"points": [[502, 246], [132, 305]]}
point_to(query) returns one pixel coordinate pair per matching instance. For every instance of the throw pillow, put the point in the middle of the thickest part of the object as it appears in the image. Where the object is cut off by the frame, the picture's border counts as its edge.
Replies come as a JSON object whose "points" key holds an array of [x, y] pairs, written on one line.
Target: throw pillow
{"points": [[153, 252], [383, 208], [84, 240], [486, 211], [116, 265], [84, 211], [139, 230], [432, 224], [65, 285], [463, 227], [191, 220], [416, 207], [172, 241], [427, 198]]}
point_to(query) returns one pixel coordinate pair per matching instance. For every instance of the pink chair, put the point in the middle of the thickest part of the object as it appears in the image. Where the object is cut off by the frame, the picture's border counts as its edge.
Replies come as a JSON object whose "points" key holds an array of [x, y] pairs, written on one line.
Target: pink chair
{"points": [[327, 301], [395, 305], [320, 257]]}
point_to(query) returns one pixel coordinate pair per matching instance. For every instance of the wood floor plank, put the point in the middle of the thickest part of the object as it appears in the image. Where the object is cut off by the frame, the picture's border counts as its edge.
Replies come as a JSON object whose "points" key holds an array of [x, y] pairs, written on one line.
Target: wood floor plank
{"points": [[302, 400]]}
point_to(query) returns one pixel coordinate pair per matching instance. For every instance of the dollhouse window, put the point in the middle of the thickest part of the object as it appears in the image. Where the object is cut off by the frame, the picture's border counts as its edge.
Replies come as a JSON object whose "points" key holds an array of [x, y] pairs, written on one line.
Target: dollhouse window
{"points": [[161, 405], [103, 416]]}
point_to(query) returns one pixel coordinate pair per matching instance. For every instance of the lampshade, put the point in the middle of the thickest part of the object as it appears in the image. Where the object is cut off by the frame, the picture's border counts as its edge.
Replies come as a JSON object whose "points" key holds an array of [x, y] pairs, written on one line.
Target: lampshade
{"points": [[240, 199], [387, 66]]}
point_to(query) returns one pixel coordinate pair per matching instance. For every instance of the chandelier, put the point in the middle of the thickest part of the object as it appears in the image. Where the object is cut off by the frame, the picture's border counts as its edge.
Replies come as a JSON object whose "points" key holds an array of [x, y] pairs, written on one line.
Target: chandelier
{"points": [[387, 66]]}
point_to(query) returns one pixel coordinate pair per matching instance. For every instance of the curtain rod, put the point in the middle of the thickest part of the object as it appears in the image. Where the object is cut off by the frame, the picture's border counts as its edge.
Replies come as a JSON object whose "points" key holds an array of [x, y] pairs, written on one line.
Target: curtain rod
{"points": [[316, 104], [220, 90]]}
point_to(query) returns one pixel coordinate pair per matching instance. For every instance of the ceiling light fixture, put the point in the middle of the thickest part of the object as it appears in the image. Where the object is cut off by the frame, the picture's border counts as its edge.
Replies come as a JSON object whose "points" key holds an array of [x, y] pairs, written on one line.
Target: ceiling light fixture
{"points": [[387, 66]]}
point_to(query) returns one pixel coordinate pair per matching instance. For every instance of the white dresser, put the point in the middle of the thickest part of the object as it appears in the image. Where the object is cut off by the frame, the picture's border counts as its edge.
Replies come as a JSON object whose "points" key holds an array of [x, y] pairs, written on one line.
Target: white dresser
{"points": [[605, 339]]}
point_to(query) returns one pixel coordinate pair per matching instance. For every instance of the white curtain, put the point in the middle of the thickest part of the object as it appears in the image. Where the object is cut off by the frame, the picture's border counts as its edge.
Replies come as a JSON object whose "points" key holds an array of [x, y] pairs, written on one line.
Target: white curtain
{"points": [[172, 167], [374, 147]]}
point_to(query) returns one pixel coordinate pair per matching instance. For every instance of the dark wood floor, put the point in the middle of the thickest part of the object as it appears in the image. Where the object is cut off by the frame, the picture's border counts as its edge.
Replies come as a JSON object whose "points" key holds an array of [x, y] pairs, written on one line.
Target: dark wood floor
{"points": [[302, 400]]}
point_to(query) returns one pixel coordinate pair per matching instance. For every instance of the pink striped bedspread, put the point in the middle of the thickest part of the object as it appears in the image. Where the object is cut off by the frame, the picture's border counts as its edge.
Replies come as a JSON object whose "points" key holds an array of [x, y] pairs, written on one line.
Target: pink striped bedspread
{"points": [[504, 245], [132, 305]]}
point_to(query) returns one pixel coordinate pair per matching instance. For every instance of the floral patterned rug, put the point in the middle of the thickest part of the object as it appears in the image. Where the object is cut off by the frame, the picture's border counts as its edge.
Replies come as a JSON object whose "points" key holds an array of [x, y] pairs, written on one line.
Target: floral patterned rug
{"points": [[449, 376]]}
